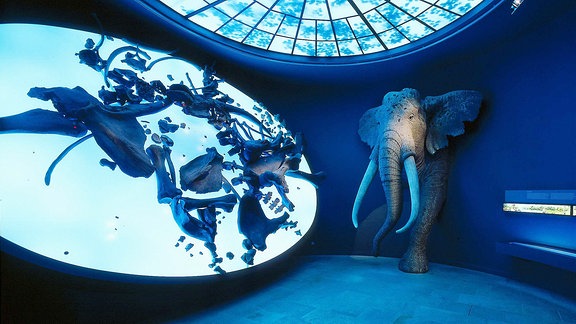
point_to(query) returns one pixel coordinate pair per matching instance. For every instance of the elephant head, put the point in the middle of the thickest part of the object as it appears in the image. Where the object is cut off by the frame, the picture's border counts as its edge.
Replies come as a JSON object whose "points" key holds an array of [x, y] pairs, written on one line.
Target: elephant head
{"points": [[407, 133]]}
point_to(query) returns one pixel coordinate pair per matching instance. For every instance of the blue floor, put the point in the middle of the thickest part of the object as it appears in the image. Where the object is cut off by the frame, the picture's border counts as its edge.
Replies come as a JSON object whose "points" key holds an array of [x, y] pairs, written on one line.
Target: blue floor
{"points": [[356, 289]]}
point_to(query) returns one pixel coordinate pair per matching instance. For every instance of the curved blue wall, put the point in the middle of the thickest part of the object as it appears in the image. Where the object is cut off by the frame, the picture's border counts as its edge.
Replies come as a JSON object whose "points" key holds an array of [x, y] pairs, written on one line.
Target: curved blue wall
{"points": [[524, 138]]}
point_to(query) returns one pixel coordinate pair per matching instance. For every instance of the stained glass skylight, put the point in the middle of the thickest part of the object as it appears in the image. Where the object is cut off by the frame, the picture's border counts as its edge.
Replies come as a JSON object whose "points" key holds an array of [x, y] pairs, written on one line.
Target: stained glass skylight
{"points": [[323, 28]]}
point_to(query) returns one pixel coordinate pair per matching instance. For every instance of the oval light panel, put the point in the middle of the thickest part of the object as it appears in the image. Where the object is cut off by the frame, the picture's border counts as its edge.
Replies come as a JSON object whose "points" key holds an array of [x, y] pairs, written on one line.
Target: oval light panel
{"points": [[128, 160]]}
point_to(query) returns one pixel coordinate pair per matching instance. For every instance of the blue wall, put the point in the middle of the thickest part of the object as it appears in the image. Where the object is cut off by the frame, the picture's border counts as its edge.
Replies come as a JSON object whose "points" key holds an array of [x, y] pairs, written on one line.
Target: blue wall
{"points": [[524, 138]]}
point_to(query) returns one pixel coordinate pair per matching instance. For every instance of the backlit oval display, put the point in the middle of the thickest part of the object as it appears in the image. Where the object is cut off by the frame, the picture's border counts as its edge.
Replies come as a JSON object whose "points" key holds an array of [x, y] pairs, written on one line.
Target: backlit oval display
{"points": [[124, 159]]}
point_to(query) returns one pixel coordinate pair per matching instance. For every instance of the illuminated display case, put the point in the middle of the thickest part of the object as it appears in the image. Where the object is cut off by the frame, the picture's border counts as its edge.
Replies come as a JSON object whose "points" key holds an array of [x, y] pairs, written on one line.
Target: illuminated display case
{"points": [[536, 230], [200, 181], [550, 202]]}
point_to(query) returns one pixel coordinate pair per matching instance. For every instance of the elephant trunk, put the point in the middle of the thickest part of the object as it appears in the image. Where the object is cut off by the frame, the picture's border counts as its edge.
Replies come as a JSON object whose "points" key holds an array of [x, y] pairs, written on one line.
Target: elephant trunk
{"points": [[391, 157], [390, 175], [414, 186]]}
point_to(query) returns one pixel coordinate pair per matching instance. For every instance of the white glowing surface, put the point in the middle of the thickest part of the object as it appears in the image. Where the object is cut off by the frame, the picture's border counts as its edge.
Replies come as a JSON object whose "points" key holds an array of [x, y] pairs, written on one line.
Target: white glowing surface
{"points": [[105, 219]]}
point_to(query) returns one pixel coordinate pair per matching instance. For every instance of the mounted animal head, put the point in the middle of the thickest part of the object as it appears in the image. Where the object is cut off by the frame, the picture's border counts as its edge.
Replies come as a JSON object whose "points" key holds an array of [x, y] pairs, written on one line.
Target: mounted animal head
{"points": [[403, 133]]}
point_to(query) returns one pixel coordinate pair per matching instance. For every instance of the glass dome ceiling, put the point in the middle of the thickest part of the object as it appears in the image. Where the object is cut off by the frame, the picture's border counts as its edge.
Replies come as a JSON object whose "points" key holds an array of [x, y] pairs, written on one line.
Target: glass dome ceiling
{"points": [[323, 28]]}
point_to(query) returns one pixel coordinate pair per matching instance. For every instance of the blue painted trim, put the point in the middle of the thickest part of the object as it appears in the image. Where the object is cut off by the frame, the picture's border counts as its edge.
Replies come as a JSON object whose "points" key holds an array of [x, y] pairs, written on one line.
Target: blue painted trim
{"points": [[549, 255], [550, 197]]}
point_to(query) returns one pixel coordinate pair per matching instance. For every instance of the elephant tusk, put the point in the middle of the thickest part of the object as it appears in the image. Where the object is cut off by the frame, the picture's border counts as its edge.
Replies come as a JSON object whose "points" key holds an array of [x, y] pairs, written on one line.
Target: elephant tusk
{"points": [[413, 184], [368, 177]]}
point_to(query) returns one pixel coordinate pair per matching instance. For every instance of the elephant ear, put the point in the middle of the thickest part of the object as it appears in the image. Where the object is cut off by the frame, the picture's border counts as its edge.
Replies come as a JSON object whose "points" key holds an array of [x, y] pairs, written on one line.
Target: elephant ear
{"points": [[446, 115], [369, 126]]}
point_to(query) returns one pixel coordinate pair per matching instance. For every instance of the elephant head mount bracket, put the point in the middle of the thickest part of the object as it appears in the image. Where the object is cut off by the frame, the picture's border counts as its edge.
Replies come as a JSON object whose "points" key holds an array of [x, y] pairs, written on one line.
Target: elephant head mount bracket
{"points": [[410, 133]]}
